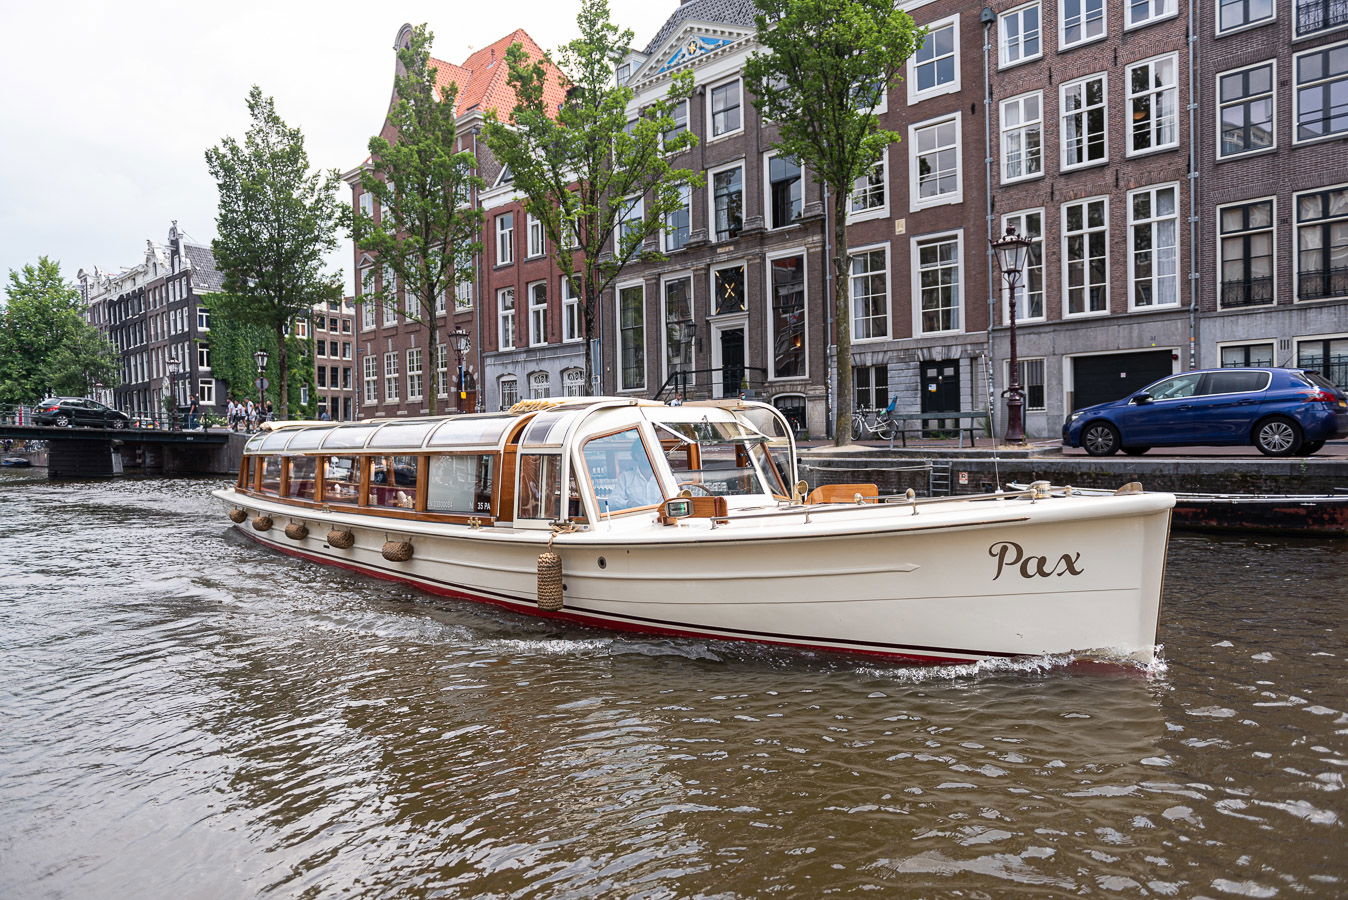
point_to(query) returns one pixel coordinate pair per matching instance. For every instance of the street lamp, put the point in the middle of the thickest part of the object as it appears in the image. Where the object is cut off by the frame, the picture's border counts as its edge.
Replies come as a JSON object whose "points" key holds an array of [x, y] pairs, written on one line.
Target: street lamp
{"points": [[260, 357], [174, 367], [459, 340], [1012, 250]]}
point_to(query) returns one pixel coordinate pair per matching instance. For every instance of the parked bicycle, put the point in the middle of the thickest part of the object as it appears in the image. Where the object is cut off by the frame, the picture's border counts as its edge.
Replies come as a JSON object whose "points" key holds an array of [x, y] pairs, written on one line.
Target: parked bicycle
{"points": [[868, 424]]}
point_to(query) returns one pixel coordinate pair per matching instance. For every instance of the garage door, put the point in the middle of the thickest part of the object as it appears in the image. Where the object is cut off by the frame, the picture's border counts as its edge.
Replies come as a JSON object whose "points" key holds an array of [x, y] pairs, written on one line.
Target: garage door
{"points": [[1112, 376]]}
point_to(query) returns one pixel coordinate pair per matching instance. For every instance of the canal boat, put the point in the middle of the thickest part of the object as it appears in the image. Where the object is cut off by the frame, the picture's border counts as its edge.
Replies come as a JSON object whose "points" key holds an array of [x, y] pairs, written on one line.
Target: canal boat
{"points": [[689, 520]]}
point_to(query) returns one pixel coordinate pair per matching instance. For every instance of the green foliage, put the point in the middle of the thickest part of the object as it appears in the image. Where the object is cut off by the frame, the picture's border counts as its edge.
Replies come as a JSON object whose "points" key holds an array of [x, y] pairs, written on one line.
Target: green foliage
{"points": [[42, 314], [430, 230], [825, 67], [232, 346], [276, 221], [580, 165], [85, 359]]}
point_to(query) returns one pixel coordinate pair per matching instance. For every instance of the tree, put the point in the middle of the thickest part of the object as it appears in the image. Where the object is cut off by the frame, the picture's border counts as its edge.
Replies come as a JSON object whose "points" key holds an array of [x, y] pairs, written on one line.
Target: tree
{"points": [[276, 221], [41, 315], [84, 359], [429, 231], [581, 166], [827, 65]]}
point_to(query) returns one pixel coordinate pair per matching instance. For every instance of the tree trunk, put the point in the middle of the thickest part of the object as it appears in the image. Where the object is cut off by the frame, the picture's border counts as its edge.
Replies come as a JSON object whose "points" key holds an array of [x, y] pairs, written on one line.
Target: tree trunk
{"points": [[589, 315], [282, 369], [432, 361], [842, 324]]}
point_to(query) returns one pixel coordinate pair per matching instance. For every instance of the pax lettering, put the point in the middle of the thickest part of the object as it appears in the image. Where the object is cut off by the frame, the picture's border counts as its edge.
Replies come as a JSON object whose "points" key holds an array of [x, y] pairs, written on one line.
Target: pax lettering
{"points": [[1010, 555]]}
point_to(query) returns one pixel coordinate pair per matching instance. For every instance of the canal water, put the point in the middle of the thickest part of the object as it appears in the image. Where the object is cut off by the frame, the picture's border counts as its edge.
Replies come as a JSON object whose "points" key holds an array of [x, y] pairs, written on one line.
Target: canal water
{"points": [[184, 714]]}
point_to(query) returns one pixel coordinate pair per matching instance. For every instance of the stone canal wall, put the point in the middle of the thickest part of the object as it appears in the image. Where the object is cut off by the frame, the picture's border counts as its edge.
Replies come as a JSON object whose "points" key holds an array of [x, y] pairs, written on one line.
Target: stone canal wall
{"points": [[896, 471]]}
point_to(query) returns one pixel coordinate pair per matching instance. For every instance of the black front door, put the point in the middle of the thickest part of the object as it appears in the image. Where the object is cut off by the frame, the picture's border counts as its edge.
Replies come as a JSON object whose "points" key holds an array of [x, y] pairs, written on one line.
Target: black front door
{"points": [[732, 361], [1113, 376], [941, 386]]}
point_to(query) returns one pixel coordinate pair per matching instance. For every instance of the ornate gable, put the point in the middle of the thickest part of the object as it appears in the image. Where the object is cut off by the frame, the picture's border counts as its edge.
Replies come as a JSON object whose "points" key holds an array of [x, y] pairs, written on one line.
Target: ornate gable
{"points": [[689, 45]]}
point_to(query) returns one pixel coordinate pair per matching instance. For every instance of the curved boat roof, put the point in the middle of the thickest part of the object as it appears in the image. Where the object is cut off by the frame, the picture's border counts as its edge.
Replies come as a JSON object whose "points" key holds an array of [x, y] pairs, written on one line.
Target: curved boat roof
{"points": [[551, 420]]}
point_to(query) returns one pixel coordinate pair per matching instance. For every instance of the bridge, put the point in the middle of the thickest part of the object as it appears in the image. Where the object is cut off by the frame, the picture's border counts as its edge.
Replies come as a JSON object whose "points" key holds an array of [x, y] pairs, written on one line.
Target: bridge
{"points": [[101, 452]]}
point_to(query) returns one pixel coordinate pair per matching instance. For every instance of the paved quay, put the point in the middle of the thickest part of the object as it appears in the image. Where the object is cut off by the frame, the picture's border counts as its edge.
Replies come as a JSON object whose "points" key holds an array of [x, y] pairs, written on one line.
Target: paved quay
{"points": [[930, 465]]}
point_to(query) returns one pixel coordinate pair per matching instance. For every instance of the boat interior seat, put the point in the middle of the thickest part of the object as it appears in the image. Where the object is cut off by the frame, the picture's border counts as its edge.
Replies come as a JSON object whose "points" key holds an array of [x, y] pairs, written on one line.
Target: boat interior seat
{"points": [[843, 493]]}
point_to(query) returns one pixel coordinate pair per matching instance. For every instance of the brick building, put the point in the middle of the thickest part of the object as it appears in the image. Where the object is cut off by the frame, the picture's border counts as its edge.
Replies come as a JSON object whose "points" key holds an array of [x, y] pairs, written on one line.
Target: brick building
{"points": [[152, 314], [1273, 185], [334, 358], [396, 368]]}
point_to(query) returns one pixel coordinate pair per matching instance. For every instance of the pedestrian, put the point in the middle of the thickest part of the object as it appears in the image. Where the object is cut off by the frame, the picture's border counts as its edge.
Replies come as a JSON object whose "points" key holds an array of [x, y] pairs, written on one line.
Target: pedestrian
{"points": [[193, 412], [323, 415], [270, 414], [250, 416], [234, 414]]}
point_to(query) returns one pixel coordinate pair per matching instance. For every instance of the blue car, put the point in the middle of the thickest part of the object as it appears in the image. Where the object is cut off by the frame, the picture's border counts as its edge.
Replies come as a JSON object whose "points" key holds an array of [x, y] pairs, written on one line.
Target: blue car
{"points": [[1283, 412]]}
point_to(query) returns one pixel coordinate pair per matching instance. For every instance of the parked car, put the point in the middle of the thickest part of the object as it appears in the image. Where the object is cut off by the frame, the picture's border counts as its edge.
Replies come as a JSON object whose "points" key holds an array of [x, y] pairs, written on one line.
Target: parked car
{"points": [[1281, 411], [67, 411]]}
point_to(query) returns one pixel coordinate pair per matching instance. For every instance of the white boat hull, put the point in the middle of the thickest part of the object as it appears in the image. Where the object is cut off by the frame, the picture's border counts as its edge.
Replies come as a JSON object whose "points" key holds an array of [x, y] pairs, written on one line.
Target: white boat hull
{"points": [[958, 581]]}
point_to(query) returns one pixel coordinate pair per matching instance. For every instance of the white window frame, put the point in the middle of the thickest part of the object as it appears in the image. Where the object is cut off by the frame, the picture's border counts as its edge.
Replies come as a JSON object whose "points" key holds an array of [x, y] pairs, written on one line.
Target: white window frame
{"points": [[712, 134], [441, 370], [1270, 343], [633, 210], [538, 314], [416, 378], [1157, 11], [1272, 94], [1084, 112], [1220, 237], [1063, 43], [916, 276], [886, 276], [536, 242], [1024, 129], [1253, 23], [1006, 40], [572, 325], [573, 382], [711, 199], [1024, 363], [1086, 230], [915, 200], [673, 114], [1153, 224], [391, 387], [881, 210], [767, 192], [1296, 33], [1023, 289], [540, 380], [505, 238], [1297, 87], [1152, 93], [666, 234], [203, 318], [618, 320], [206, 391], [514, 394], [1294, 215], [768, 331], [916, 95], [686, 275], [370, 375], [505, 319]]}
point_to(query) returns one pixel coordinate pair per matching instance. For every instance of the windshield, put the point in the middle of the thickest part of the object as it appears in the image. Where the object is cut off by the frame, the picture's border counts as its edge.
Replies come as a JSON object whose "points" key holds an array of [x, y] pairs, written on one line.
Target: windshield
{"points": [[720, 459]]}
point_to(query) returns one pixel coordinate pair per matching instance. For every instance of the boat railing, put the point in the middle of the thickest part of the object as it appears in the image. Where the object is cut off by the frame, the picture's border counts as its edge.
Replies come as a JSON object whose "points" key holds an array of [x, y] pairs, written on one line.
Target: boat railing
{"points": [[1039, 490]]}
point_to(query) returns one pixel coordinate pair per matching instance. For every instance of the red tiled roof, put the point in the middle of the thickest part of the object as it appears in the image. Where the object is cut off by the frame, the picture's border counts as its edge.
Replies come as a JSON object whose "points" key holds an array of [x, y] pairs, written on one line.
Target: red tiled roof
{"points": [[483, 79]]}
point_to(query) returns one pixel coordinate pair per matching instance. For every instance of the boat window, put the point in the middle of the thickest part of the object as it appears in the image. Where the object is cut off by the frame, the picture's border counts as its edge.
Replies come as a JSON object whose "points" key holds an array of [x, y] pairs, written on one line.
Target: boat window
{"points": [[341, 478], [255, 442], [726, 461], [348, 437], [402, 434], [540, 494], [301, 482], [271, 474], [621, 472], [468, 430], [393, 481], [276, 440], [460, 484], [307, 439], [547, 427]]}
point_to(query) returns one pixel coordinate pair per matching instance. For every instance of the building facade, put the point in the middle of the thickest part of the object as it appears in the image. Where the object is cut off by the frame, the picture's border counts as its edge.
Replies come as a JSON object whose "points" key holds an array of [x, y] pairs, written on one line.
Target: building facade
{"points": [[334, 337], [153, 315]]}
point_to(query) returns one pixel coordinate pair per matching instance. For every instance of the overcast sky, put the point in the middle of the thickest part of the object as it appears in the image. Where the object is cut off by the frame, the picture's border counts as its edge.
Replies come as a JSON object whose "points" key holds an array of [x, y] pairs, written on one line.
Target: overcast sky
{"points": [[106, 109]]}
